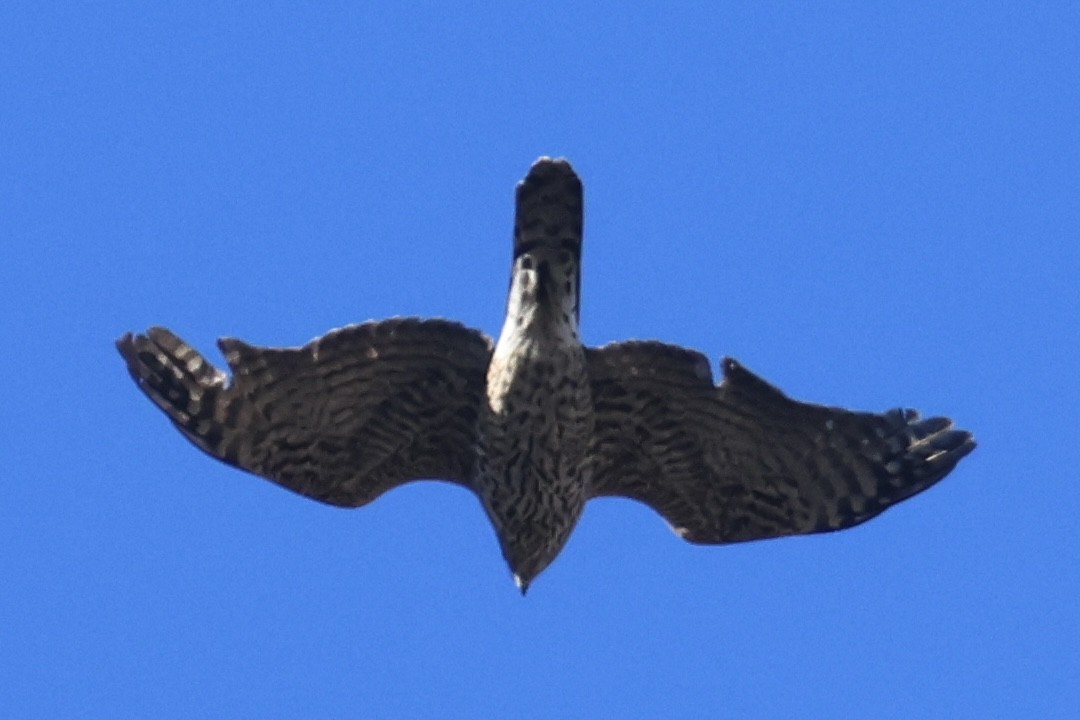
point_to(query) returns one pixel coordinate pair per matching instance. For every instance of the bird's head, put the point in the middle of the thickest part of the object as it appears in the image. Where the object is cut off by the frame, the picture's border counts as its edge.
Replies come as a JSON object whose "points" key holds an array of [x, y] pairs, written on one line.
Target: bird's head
{"points": [[528, 556], [533, 531]]}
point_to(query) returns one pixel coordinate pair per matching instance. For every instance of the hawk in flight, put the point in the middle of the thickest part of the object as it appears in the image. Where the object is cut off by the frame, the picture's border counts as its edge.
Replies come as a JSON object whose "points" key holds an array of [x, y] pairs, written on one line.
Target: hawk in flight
{"points": [[536, 424]]}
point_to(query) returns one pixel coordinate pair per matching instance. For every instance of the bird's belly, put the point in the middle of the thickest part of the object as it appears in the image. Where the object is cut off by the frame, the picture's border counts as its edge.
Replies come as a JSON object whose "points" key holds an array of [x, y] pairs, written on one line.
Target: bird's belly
{"points": [[534, 433]]}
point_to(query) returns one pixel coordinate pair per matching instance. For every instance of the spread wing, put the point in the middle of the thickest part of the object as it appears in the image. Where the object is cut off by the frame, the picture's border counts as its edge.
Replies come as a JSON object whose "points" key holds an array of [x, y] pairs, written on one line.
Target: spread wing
{"points": [[742, 461], [342, 419]]}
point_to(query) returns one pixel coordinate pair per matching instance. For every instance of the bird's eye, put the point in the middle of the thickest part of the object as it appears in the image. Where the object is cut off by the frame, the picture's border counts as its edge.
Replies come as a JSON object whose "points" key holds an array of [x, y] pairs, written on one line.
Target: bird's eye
{"points": [[526, 263]]}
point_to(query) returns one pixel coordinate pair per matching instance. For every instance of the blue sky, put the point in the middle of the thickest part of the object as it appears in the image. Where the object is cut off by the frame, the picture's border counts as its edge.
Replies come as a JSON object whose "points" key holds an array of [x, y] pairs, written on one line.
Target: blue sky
{"points": [[870, 205]]}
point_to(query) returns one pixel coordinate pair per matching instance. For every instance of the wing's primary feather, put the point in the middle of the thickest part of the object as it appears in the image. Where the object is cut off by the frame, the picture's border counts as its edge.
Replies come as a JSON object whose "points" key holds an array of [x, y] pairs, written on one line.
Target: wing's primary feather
{"points": [[742, 461], [342, 419]]}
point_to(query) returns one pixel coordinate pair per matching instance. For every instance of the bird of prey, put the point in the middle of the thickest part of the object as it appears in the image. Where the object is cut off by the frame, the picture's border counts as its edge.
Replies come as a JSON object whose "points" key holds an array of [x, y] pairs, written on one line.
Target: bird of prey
{"points": [[537, 424]]}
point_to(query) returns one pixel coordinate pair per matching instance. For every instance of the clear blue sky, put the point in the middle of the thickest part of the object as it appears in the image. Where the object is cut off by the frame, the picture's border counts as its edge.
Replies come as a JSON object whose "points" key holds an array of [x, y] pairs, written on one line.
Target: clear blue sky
{"points": [[869, 204]]}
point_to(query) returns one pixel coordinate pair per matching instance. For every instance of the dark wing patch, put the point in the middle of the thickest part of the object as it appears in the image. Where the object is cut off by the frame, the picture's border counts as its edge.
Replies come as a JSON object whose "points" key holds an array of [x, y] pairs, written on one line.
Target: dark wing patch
{"points": [[342, 419], [742, 461]]}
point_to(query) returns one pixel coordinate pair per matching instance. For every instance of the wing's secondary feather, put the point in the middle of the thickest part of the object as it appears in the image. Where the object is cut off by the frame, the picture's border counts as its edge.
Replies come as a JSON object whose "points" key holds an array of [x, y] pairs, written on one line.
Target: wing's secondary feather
{"points": [[742, 461], [342, 419]]}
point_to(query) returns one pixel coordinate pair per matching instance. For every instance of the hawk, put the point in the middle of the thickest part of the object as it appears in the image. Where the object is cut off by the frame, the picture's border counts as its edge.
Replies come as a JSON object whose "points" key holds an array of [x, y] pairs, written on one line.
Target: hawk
{"points": [[536, 424]]}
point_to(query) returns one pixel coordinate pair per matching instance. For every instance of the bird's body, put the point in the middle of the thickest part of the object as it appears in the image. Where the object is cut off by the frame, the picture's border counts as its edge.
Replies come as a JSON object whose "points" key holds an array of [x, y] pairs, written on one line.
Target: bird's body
{"points": [[533, 470], [539, 424]]}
